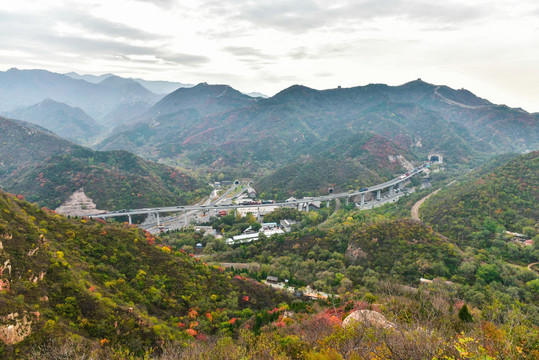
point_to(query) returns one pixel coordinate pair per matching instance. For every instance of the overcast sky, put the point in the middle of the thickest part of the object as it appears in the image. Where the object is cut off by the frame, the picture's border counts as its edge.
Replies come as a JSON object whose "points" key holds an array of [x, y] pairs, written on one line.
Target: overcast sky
{"points": [[490, 47]]}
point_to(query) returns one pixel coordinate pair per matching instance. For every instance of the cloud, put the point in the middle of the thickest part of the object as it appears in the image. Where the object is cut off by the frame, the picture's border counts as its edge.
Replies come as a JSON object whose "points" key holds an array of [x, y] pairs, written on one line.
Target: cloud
{"points": [[96, 25], [182, 59], [304, 15], [299, 53], [244, 51]]}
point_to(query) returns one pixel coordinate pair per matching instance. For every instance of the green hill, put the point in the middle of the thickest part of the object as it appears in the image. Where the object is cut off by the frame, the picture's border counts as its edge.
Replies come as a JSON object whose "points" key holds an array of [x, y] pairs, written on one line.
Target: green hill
{"points": [[24, 145], [488, 200], [83, 279], [47, 170]]}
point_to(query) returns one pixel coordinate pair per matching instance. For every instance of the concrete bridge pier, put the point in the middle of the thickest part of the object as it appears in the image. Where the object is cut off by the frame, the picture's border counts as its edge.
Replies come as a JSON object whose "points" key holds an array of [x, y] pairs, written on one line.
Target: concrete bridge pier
{"points": [[307, 208], [400, 185], [130, 221], [158, 221], [378, 193], [391, 190], [327, 203], [347, 200], [184, 218], [362, 199]]}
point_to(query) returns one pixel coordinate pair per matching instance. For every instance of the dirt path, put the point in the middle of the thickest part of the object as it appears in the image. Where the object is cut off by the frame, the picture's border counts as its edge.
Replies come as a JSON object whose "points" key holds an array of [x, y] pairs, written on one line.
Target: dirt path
{"points": [[417, 205], [532, 264]]}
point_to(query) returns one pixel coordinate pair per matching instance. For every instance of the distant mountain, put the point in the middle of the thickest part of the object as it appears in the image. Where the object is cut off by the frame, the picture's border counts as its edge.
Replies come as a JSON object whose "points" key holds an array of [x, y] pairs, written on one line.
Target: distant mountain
{"points": [[22, 88], [126, 113], [257, 94], [131, 90], [205, 126], [47, 170], [95, 79], [157, 87], [66, 121], [204, 98], [162, 87]]}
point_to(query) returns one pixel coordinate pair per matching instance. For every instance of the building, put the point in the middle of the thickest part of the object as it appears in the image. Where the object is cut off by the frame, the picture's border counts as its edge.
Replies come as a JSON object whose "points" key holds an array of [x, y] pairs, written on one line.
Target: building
{"points": [[286, 224], [246, 238], [251, 192]]}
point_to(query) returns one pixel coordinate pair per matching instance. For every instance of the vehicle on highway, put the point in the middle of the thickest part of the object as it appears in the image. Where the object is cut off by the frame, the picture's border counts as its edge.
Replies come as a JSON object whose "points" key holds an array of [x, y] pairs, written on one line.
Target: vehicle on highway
{"points": [[364, 189]]}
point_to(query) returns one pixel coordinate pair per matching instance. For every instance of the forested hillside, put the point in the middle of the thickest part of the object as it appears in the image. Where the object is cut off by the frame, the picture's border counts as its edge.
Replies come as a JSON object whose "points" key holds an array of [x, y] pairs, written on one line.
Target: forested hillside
{"points": [[488, 201], [351, 161], [108, 286], [47, 170], [276, 131], [113, 179]]}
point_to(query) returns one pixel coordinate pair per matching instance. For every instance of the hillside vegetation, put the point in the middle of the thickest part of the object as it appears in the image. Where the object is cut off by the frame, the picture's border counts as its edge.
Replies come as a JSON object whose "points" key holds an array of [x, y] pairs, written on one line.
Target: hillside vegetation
{"points": [[88, 280], [487, 201], [47, 170], [300, 121]]}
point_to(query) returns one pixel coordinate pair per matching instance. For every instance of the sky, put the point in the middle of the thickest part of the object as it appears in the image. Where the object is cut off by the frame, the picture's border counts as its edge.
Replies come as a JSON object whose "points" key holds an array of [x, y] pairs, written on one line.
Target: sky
{"points": [[490, 47]]}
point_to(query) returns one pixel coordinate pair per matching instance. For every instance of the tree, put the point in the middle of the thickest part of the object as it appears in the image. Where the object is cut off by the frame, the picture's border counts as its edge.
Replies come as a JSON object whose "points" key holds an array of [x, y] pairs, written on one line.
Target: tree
{"points": [[256, 226], [488, 272], [465, 315]]}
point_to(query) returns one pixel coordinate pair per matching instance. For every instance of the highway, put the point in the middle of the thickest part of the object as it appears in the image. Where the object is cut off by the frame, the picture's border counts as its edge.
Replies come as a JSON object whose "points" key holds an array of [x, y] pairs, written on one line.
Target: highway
{"points": [[190, 210]]}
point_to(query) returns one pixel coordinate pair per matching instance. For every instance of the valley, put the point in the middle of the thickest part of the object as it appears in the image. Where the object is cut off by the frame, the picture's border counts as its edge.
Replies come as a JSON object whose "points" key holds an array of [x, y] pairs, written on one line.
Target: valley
{"points": [[411, 208]]}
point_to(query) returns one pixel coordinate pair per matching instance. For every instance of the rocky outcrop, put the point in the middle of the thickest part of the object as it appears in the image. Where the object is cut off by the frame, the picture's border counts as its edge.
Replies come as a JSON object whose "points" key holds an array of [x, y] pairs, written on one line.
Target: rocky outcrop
{"points": [[368, 317], [78, 204], [15, 328]]}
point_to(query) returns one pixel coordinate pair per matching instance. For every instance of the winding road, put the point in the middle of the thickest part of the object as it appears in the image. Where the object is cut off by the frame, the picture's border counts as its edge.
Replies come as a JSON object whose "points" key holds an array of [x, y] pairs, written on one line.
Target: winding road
{"points": [[417, 205]]}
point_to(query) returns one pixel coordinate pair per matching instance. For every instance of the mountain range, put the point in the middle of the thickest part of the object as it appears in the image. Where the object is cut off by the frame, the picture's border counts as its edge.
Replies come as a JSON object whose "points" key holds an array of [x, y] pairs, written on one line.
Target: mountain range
{"points": [[217, 129], [158, 87], [23, 88], [226, 129]]}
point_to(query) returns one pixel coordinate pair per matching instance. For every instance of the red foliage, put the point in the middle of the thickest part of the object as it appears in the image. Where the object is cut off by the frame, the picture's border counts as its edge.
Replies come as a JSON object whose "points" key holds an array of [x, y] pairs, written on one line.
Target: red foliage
{"points": [[201, 337], [245, 298], [20, 197], [233, 321], [191, 332]]}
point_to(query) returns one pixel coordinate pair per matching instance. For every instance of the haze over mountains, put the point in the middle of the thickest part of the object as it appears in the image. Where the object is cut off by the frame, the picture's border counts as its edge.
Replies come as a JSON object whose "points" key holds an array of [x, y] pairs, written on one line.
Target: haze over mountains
{"points": [[301, 121], [219, 129], [23, 88], [66, 121]]}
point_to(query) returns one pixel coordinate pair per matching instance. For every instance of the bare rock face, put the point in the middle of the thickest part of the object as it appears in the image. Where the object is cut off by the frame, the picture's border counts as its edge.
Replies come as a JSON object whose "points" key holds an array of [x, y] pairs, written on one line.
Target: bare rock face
{"points": [[368, 317], [354, 253], [78, 204], [14, 328]]}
